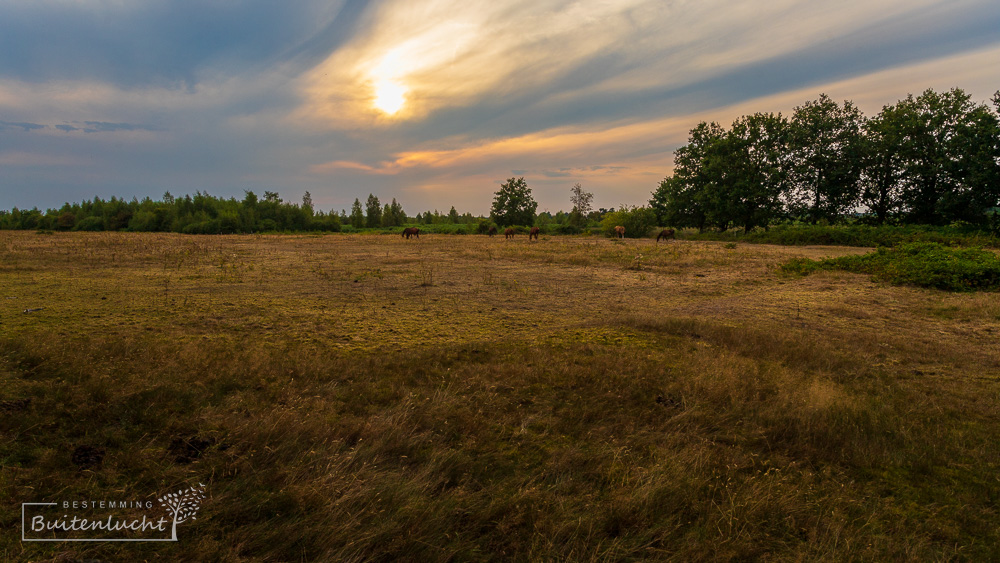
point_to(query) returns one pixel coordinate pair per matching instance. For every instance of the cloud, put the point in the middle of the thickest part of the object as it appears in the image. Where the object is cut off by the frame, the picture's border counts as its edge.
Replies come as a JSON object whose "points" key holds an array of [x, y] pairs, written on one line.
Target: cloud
{"points": [[488, 69], [9, 125], [105, 127], [187, 95], [153, 42]]}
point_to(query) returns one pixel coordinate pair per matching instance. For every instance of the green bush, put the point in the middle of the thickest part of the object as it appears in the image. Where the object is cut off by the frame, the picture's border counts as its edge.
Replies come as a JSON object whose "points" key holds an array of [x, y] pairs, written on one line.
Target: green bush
{"points": [[858, 235], [483, 226], [638, 222], [923, 264], [567, 229], [91, 223], [210, 227], [143, 221]]}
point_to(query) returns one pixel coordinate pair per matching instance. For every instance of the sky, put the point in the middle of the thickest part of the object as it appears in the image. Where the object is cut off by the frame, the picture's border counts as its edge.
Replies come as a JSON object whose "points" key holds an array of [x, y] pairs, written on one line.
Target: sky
{"points": [[437, 102]]}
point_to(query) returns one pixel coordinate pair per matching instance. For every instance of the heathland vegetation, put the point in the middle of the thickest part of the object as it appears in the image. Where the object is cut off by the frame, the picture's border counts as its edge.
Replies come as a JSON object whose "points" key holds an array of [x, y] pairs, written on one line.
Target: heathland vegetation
{"points": [[365, 397]]}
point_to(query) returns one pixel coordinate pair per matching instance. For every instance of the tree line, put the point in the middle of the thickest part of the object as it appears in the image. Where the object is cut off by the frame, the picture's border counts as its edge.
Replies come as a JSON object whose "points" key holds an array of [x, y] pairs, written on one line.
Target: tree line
{"points": [[198, 214], [933, 159], [206, 214]]}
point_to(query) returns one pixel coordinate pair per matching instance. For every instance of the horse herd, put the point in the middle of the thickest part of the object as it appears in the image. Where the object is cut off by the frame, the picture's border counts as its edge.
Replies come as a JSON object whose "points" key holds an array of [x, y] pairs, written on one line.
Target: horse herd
{"points": [[534, 232]]}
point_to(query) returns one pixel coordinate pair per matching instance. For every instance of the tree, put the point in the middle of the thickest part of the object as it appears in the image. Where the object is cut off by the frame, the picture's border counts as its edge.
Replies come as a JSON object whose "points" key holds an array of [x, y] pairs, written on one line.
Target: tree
{"points": [[825, 167], [373, 212], [357, 215], [949, 146], [692, 197], [754, 175], [581, 201], [398, 215], [513, 204], [882, 165], [453, 216], [675, 203], [727, 178], [307, 203]]}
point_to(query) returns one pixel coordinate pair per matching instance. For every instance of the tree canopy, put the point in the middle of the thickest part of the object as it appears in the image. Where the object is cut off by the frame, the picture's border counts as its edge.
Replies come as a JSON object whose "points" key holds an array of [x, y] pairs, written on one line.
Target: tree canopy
{"points": [[513, 204], [931, 159]]}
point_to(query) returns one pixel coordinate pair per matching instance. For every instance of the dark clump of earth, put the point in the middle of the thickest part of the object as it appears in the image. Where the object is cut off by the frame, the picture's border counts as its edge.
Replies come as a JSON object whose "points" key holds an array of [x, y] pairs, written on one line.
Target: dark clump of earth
{"points": [[87, 457], [188, 449]]}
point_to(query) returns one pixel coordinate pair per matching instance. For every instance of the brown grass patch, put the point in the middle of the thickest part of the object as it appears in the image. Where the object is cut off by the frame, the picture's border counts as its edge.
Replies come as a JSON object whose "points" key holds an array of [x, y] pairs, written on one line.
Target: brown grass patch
{"points": [[462, 398]]}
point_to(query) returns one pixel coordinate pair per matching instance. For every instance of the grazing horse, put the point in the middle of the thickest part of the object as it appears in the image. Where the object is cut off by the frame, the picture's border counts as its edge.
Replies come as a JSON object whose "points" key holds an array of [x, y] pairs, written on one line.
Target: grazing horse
{"points": [[620, 231], [509, 233], [411, 231], [534, 233], [493, 231], [665, 234]]}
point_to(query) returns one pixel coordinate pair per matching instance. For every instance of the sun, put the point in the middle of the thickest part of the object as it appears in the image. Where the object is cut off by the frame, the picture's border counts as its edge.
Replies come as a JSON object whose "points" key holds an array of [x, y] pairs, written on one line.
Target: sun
{"points": [[389, 96]]}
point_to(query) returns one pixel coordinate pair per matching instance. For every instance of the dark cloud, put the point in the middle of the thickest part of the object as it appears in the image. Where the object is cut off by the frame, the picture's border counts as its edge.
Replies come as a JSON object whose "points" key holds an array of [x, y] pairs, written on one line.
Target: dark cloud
{"points": [[158, 42], [352, 16], [105, 127], [8, 125]]}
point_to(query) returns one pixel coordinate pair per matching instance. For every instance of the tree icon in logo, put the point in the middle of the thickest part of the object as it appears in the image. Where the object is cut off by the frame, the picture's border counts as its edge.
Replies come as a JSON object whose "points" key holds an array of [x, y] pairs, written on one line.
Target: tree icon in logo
{"points": [[183, 505]]}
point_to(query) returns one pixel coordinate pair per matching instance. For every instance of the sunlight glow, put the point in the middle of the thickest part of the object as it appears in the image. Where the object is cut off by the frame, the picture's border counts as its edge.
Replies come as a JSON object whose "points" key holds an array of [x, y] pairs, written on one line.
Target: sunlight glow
{"points": [[389, 96]]}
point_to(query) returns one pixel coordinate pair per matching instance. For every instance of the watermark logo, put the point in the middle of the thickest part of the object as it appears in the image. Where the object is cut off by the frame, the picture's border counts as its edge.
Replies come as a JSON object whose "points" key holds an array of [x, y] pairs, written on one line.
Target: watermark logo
{"points": [[103, 520]]}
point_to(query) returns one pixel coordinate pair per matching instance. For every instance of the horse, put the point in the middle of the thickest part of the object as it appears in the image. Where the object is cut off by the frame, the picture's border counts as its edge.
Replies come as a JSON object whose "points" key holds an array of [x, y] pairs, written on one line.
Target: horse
{"points": [[508, 234], [620, 231], [665, 233], [411, 231], [534, 233], [493, 231]]}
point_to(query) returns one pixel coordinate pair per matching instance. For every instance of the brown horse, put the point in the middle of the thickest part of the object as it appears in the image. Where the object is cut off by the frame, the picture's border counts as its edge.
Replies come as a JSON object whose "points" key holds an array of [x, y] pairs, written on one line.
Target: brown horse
{"points": [[407, 232], [509, 233], [534, 233], [493, 231], [620, 231], [665, 234]]}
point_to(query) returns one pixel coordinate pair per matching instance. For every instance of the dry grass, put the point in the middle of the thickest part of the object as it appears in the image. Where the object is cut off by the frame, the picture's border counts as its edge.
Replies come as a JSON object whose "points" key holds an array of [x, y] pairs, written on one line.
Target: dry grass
{"points": [[455, 398]]}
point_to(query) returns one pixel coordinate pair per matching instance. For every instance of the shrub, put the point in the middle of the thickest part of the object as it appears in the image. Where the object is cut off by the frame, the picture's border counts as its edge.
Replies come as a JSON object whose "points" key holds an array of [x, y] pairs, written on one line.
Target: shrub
{"points": [[210, 227], [638, 221], [567, 229], [858, 235], [143, 221], [66, 221], [91, 223], [923, 264], [483, 226]]}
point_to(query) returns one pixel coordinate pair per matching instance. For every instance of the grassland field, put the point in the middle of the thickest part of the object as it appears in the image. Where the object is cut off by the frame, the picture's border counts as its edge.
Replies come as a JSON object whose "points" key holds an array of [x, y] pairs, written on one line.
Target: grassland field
{"points": [[466, 398]]}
